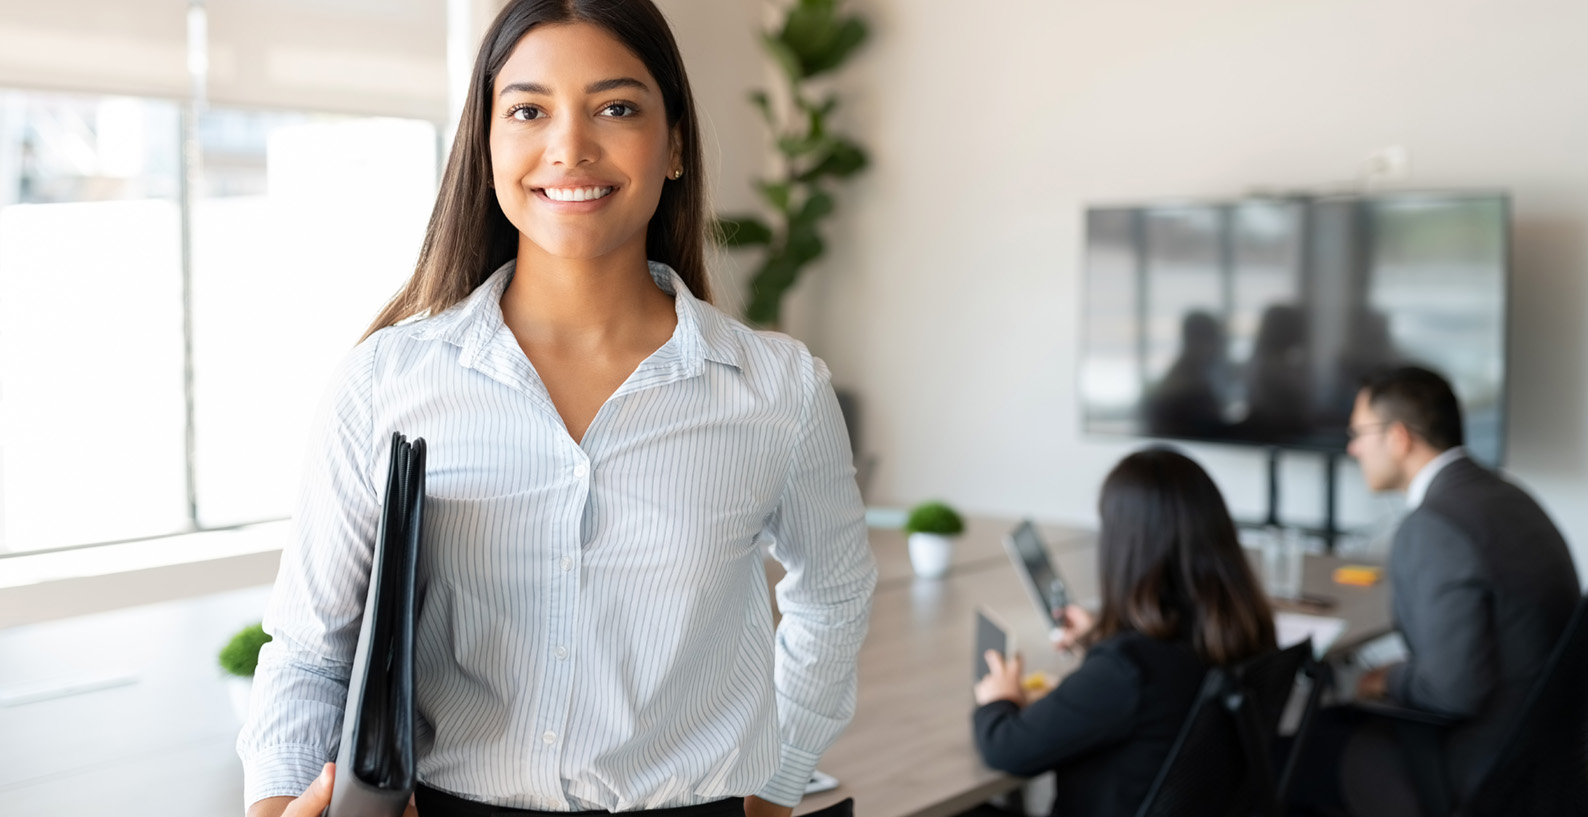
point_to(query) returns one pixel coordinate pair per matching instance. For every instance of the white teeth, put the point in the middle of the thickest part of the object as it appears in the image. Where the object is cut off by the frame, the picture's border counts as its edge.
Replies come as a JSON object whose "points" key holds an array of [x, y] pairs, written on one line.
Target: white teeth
{"points": [[576, 193]]}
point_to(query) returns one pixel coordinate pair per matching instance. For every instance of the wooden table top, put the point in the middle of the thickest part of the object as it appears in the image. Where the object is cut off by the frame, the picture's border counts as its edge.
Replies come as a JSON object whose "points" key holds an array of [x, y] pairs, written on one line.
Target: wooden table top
{"points": [[909, 751]]}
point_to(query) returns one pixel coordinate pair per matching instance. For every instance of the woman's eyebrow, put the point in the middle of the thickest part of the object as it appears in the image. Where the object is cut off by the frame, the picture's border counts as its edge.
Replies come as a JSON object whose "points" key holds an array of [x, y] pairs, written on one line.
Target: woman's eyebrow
{"points": [[593, 88], [524, 88], [613, 84]]}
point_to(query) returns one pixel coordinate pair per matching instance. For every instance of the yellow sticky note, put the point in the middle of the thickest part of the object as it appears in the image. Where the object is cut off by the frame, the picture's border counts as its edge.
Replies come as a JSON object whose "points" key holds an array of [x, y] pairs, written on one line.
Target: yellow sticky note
{"points": [[1359, 575]]}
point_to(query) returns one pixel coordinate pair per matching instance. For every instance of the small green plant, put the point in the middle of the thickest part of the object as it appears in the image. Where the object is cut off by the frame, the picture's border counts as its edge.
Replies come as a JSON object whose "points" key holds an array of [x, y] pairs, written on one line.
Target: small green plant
{"points": [[240, 656], [934, 517], [813, 40]]}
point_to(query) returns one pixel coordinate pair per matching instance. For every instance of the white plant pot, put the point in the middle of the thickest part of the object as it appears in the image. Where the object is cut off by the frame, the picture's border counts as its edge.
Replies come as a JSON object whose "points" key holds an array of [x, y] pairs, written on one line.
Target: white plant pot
{"points": [[240, 690], [931, 554]]}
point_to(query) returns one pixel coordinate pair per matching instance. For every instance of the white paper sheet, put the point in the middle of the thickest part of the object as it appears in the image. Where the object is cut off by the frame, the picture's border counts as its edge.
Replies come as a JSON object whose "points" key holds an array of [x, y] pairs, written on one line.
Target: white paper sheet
{"points": [[1293, 628]]}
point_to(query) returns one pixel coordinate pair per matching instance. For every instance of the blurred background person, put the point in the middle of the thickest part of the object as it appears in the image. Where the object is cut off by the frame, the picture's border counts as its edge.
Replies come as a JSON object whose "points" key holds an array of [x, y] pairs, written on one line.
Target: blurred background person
{"points": [[1189, 400], [1279, 394], [1178, 597], [1483, 585]]}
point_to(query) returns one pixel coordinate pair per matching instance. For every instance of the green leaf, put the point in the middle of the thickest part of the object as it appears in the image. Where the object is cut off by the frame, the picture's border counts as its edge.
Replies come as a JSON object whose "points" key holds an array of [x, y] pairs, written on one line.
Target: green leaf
{"points": [[808, 26], [763, 104], [818, 206], [817, 39], [835, 48], [775, 193], [785, 57], [804, 245], [742, 231], [796, 146], [777, 274], [844, 160]]}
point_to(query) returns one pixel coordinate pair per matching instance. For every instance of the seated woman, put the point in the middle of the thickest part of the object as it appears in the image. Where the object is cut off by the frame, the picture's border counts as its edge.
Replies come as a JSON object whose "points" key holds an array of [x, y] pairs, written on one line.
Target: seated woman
{"points": [[1178, 597]]}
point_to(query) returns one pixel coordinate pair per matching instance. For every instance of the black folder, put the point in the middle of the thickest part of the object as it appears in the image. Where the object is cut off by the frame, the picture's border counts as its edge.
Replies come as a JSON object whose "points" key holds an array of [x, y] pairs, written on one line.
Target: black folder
{"points": [[375, 763]]}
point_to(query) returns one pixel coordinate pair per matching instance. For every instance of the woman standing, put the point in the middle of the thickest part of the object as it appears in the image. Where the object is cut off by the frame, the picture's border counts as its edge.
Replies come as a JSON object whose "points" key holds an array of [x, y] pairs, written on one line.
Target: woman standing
{"points": [[1178, 597], [607, 455]]}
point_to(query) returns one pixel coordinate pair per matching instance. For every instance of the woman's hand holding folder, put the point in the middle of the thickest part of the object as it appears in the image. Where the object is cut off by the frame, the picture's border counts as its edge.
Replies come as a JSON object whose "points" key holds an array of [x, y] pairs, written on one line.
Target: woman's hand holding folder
{"points": [[311, 803]]}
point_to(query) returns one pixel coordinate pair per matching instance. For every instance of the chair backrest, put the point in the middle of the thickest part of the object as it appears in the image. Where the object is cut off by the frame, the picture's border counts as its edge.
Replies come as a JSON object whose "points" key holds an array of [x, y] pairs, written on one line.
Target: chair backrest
{"points": [[1219, 764], [1542, 767], [1270, 678]]}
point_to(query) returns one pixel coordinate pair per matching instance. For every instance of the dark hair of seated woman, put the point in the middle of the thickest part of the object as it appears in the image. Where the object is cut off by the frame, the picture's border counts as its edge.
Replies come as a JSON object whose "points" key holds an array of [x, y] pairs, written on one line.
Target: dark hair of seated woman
{"points": [[1171, 564]]}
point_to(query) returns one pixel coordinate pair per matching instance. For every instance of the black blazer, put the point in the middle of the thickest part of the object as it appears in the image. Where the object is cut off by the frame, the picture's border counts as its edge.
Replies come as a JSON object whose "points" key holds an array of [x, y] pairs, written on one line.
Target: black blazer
{"points": [[1105, 730], [1483, 586]]}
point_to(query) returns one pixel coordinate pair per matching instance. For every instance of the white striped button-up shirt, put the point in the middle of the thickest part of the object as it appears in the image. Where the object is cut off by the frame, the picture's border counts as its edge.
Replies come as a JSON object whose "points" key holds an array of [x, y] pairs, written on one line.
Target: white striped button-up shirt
{"points": [[596, 631]]}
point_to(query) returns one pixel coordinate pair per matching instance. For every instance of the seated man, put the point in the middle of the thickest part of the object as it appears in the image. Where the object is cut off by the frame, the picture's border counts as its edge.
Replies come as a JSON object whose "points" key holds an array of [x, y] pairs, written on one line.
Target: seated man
{"points": [[1483, 586]]}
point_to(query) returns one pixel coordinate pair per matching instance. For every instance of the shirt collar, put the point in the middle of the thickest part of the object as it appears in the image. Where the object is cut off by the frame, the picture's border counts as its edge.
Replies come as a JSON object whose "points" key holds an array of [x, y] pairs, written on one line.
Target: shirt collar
{"points": [[703, 333], [1418, 490]]}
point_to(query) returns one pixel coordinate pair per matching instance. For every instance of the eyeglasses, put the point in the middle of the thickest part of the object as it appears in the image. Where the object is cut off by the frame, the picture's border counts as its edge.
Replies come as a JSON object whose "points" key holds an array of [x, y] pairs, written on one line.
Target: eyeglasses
{"points": [[1352, 433]]}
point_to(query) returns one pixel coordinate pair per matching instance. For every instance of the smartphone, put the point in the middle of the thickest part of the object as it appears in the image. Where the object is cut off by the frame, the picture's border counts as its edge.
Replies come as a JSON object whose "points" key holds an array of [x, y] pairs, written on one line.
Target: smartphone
{"points": [[1042, 580], [991, 634]]}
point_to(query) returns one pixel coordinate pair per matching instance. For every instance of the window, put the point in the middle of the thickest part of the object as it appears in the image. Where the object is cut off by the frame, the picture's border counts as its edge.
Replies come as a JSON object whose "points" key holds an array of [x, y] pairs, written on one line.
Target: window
{"points": [[91, 406], [301, 224], [273, 317], [167, 326]]}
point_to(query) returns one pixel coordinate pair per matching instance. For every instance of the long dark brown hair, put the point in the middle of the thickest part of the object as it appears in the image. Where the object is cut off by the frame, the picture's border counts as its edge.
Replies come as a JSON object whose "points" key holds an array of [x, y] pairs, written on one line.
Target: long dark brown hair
{"points": [[1171, 564], [469, 236]]}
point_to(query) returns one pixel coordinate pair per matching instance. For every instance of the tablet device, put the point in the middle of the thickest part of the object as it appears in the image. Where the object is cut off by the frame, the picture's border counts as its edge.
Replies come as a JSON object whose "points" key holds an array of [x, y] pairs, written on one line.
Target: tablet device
{"points": [[991, 634], [1043, 582]]}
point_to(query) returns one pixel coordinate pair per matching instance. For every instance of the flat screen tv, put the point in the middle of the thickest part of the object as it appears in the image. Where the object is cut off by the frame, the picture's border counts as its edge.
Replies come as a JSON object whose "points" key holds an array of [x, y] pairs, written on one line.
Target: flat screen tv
{"points": [[1253, 321]]}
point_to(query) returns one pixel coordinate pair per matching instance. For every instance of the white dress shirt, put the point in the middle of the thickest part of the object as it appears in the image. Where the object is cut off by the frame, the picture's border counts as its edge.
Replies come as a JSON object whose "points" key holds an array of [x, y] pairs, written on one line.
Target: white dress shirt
{"points": [[1418, 489], [596, 631]]}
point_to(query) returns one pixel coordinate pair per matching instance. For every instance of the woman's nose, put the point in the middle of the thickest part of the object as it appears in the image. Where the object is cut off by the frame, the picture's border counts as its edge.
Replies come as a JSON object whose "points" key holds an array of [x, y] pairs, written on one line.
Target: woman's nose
{"points": [[572, 142]]}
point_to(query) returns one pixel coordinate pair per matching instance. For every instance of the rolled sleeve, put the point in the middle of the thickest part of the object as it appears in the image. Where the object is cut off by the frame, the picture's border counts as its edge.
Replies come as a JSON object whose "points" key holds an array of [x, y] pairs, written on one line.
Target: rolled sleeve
{"points": [[818, 534], [316, 606]]}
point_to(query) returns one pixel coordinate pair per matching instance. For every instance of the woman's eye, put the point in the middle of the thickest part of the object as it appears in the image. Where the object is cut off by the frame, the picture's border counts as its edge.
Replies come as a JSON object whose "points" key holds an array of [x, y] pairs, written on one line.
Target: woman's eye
{"points": [[525, 113], [618, 109]]}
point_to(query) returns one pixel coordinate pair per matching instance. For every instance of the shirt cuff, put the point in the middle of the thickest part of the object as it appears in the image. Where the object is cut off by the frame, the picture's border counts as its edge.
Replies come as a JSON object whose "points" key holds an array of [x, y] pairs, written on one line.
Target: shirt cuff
{"points": [[793, 773], [279, 771]]}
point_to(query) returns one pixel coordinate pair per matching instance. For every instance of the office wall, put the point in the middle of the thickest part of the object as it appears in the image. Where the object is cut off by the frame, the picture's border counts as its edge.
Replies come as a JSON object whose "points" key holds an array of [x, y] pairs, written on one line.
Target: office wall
{"points": [[951, 300], [719, 41]]}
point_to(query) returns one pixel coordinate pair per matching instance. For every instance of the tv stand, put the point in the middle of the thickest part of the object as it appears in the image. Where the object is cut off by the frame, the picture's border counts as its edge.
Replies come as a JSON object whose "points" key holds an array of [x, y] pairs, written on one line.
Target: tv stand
{"points": [[1330, 530]]}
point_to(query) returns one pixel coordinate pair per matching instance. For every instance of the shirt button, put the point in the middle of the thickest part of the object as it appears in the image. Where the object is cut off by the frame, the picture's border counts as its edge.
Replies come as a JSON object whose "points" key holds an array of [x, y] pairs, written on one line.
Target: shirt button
{"points": [[562, 652], [549, 738], [581, 470], [567, 563]]}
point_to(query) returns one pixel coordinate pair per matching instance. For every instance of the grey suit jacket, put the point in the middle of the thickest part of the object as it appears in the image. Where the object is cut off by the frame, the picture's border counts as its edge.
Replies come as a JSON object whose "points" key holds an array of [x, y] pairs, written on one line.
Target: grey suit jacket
{"points": [[1483, 587]]}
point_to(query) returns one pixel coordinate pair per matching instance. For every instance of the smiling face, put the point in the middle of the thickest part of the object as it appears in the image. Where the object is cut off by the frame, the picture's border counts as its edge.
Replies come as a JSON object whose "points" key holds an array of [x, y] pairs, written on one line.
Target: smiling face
{"points": [[580, 145]]}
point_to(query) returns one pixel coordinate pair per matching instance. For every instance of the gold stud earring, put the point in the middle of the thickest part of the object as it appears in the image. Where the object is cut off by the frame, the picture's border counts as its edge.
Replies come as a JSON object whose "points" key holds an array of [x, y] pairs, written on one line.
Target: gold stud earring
{"points": [[678, 174]]}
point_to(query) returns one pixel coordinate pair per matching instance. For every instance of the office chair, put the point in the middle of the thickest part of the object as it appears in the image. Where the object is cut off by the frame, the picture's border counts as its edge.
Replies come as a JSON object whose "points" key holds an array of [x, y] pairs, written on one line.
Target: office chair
{"points": [[1319, 679], [1542, 768], [1237, 708]]}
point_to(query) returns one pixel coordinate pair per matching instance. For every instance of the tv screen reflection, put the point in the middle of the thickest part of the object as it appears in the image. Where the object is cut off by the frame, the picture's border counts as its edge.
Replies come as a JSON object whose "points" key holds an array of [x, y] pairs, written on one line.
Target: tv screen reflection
{"points": [[1254, 321]]}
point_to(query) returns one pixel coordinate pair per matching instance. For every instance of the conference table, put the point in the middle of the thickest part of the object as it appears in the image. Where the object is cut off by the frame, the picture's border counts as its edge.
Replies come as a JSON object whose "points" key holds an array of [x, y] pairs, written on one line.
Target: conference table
{"points": [[909, 751]]}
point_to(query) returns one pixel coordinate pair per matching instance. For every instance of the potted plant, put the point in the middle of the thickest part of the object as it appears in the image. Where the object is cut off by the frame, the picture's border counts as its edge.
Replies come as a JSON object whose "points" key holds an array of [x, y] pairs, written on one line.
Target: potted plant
{"points": [[239, 658], [933, 527], [815, 39]]}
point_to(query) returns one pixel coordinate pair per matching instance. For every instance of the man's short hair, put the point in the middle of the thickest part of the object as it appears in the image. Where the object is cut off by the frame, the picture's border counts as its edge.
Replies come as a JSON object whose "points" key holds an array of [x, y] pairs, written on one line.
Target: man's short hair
{"points": [[1419, 399]]}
